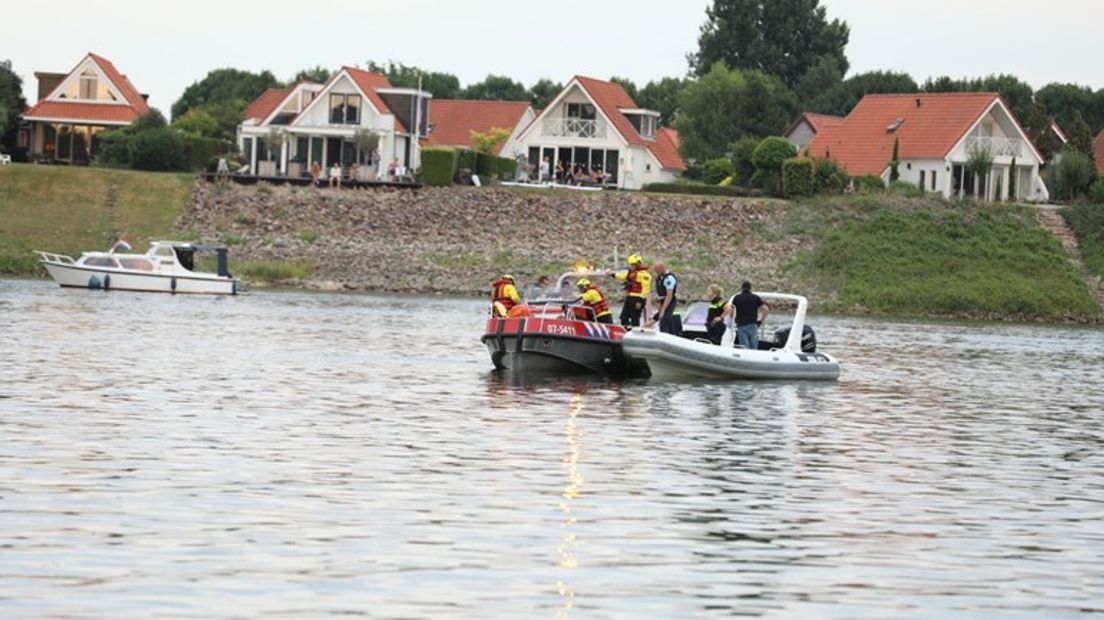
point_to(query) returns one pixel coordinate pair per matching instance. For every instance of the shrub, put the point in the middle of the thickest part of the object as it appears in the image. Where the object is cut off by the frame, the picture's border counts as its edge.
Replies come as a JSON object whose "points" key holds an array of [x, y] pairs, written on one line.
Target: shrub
{"points": [[113, 148], [696, 189], [160, 149], [869, 184], [904, 188], [693, 171], [830, 177], [439, 166], [199, 151], [742, 166], [797, 177], [1076, 172], [768, 158], [716, 170], [764, 181], [1098, 190], [491, 166]]}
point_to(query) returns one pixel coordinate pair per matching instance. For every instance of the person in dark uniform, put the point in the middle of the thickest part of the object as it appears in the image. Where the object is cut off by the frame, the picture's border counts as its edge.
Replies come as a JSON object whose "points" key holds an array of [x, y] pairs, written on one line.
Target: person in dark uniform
{"points": [[715, 330], [666, 286], [750, 312]]}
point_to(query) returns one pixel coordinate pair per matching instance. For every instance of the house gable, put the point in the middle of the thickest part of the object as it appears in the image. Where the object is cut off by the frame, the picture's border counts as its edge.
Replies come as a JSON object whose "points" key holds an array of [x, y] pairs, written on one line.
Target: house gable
{"points": [[1008, 125], [343, 82], [116, 100], [69, 90], [573, 92]]}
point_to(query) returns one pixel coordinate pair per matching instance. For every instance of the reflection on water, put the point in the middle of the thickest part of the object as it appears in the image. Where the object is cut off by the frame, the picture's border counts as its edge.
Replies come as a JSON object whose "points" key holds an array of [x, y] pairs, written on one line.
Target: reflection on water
{"points": [[299, 455]]}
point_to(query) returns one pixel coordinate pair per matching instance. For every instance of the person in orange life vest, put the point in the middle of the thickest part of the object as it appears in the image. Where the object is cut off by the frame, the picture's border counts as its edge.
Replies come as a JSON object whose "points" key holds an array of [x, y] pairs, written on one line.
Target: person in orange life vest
{"points": [[638, 284], [504, 295], [593, 297]]}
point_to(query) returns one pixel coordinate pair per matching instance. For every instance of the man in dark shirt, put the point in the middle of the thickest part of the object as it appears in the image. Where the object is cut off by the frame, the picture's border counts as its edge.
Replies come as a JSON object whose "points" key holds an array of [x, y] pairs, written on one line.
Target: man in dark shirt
{"points": [[750, 312]]}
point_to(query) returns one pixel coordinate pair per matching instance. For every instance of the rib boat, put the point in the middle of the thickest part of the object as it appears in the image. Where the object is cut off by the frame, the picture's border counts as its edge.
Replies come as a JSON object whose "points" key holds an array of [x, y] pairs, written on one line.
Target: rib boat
{"points": [[167, 267], [792, 355]]}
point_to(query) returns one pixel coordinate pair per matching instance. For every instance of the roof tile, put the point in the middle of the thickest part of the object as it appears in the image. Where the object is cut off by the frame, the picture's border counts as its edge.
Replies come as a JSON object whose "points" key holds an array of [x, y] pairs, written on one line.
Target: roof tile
{"points": [[454, 120]]}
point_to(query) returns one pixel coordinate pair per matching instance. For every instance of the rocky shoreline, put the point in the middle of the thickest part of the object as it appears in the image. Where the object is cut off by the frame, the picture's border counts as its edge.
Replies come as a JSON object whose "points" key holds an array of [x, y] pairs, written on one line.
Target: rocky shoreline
{"points": [[456, 240]]}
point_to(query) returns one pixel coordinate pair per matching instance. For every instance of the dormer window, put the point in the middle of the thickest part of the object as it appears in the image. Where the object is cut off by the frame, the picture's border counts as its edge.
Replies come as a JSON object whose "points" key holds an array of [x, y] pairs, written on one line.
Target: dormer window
{"points": [[648, 126], [895, 125]]}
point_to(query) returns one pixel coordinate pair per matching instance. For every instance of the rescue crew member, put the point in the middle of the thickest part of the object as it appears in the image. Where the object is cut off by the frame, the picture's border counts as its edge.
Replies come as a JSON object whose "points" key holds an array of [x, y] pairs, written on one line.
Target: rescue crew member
{"points": [[595, 299], [638, 284], [666, 291], [504, 296], [715, 330], [751, 312]]}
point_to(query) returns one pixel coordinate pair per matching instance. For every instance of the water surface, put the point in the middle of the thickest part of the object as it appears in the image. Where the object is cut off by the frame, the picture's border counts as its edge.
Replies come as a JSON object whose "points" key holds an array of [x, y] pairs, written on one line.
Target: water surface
{"points": [[286, 454]]}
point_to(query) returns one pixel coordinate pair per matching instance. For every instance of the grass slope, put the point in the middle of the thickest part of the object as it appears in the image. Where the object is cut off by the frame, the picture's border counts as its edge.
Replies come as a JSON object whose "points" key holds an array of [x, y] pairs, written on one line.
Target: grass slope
{"points": [[66, 210], [927, 257], [1087, 222]]}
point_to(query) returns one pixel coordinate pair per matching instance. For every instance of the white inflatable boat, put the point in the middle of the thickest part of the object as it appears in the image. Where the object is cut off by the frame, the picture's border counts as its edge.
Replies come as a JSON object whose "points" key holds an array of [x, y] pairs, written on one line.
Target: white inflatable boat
{"points": [[680, 357]]}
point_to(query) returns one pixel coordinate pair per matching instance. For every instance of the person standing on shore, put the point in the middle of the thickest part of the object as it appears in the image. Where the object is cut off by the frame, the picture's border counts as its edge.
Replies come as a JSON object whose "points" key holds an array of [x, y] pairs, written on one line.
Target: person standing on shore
{"points": [[638, 284], [750, 313], [666, 295], [504, 296]]}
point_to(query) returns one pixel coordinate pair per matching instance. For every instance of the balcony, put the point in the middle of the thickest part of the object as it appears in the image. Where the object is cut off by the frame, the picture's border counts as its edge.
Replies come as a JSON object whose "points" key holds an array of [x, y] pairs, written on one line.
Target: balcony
{"points": [[997, 147], [573, 128]]}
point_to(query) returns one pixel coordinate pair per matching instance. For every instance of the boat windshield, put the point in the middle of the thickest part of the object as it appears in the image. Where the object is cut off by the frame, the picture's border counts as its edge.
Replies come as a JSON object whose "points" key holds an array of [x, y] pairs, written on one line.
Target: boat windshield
{"points": [[186, 257], [137, 264]]}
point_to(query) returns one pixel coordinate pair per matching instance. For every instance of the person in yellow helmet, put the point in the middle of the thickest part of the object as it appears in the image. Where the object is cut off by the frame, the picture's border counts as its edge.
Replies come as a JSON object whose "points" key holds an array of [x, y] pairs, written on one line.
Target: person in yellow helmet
{"points": [[504, 296], [638, 284], [595, 299]]}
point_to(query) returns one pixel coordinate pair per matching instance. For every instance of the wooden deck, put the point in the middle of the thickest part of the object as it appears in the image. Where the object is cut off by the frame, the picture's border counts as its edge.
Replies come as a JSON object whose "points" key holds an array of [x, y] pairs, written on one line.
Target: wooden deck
{"points": [[252, 179]]}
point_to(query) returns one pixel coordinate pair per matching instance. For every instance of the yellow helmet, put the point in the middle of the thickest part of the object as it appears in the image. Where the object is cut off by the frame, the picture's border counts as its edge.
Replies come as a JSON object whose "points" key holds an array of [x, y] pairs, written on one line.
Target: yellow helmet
{"points": [[583, 283], [635, 259], [508, 277]]}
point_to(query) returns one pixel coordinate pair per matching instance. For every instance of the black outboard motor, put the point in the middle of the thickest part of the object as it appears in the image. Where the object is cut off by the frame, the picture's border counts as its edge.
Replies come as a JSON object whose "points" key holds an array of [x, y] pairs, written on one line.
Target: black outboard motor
{"points": [[808, 338]]}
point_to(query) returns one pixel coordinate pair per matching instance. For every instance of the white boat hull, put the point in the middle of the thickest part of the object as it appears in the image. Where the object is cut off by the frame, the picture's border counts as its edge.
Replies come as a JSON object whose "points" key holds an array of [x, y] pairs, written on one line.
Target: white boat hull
{"points": [[76, 276], [673, 357]]}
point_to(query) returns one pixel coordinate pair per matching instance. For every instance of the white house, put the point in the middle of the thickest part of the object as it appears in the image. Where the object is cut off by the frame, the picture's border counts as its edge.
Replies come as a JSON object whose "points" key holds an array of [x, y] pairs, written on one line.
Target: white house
{"points": [[74, 107], [327, 123], [936, 134], [807, 126], [596, 123]]}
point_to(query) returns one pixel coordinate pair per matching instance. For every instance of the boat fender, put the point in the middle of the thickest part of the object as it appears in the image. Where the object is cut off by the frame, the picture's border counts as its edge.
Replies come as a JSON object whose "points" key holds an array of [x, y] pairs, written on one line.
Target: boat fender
{"points": [[93, 283], [172, 283], [107, 281]]}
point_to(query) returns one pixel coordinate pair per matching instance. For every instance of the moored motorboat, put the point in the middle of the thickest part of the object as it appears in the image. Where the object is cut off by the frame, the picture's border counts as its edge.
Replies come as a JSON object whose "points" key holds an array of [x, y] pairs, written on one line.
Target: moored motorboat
{"points": [[167, 267], [792, 356]]}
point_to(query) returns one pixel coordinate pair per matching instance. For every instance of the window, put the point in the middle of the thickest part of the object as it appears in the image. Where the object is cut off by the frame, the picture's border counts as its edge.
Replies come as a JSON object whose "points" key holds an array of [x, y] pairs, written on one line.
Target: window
{"points": [[933, 179], [344, 109], [88, 85], [584, 111], [101, 261], [139, 264], [922, 180]]}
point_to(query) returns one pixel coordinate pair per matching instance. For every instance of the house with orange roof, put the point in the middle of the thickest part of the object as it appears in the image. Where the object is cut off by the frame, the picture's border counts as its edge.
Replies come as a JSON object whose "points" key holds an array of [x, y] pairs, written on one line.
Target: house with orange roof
{"points": [[287, 129], [453, 121], [936, 135], [595, 124], [808, 125], [1098, 151], [74, 107]]}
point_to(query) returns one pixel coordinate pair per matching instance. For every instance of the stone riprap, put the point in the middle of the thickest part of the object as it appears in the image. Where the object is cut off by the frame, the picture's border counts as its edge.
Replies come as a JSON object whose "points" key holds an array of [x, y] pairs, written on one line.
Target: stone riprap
{"points": [[456, 240]]}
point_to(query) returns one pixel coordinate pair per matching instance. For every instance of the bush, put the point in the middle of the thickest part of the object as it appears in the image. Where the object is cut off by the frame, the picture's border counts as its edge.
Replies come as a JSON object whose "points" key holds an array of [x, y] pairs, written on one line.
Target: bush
{"points": [[904, 188], [797, 177], [1076, 172], [696, 189], [693, 171], [869, 184], [764, 181], [199, 150], [439, 166], [1098, 190], [768, 158], [113, 148], [742, 166], [490, 166], [830, 177], [716, 170], [160, 149]]}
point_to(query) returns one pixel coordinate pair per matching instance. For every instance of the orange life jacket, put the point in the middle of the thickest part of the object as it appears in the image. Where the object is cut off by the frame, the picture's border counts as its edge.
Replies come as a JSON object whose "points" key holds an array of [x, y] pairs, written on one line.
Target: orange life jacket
{"points": [[633, 286], [498, 294], [602, 307]]}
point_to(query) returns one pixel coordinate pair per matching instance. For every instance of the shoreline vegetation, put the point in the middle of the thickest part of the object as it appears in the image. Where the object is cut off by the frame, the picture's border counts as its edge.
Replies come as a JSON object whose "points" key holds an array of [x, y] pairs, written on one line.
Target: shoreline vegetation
{"points": [[874, 255]]}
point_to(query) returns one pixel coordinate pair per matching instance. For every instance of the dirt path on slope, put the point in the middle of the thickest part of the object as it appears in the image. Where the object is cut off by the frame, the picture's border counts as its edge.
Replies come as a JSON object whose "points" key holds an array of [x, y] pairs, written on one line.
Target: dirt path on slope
{"points": [[1051, 220]]}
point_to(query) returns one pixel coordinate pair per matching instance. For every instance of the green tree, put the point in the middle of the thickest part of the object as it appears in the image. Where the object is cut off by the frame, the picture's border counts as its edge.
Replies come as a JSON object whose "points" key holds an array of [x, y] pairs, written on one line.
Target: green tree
{"points": [[12, 105], [1062, 101], [768, 158], [841, 98], [1080, 135], [497, 88], [1076, 174], [781, 37], [1037, 125], [725, 105], [820, 78], [1018, 94], [316, 73], [441, 85], [198, 121], [224, 86], [488, 142], [543, 92], [741, 153], [153, 119], [663, 97], [979, 162]]}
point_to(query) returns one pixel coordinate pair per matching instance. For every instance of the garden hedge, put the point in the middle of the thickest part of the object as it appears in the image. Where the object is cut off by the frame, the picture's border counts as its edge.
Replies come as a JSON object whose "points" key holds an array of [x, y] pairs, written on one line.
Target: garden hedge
{"points": [[797, 177], [439, 166]]}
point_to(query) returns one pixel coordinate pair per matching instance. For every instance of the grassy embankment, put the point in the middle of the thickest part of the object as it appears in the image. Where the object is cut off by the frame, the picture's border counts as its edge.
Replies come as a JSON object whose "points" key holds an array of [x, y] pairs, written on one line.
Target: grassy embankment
{"points": [[72, 209], [1087, 222], [926, 257]]}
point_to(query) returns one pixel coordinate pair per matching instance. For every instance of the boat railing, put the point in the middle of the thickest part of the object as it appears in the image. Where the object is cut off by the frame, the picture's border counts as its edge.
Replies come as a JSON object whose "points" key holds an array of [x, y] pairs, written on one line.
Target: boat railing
{"points": [[50, 257], [567, 308], [793, 341]]}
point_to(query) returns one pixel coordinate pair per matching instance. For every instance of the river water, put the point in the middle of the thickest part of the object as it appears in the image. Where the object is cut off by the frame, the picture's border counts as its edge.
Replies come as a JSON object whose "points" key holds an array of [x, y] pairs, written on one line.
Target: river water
{"points": [[299, 455]]}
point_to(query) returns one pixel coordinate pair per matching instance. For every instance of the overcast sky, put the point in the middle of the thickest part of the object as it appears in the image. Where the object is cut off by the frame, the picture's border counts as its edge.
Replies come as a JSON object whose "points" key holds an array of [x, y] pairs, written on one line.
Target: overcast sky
{"points": [[165, 47]]}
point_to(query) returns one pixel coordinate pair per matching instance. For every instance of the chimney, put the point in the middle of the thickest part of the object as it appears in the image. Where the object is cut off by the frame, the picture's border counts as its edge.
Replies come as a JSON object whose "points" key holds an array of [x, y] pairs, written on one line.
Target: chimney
{"points": [[918, 102]]}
